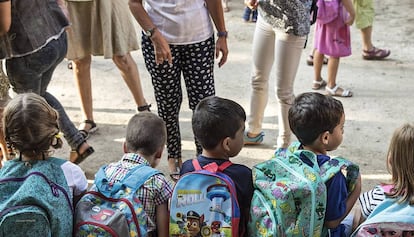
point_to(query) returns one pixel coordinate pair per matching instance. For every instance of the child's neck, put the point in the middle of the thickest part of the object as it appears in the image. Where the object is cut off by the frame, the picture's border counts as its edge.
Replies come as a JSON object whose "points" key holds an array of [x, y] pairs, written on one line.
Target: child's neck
{"points": [[215, 155], [315, 149]]}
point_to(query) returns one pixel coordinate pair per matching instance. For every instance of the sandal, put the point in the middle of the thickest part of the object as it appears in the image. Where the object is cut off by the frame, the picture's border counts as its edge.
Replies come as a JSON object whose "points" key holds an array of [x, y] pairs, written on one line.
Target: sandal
{"points": [[175, 175], [334, 92], [318, 84], [309, 60], [375, 54], [258, 139], [144, 108], [86, 132], [77, 158]]}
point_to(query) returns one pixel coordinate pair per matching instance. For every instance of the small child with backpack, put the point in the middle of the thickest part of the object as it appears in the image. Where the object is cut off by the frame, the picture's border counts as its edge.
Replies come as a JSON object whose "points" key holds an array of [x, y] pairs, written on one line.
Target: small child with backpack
{"points": [[37, 191], [394, 199], [307, 192], [218, 124], [131, 186]]}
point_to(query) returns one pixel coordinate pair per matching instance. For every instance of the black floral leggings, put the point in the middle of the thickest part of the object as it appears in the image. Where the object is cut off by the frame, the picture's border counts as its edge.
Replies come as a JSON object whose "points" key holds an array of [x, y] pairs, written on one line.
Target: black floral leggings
{"points": [[196, 63]]}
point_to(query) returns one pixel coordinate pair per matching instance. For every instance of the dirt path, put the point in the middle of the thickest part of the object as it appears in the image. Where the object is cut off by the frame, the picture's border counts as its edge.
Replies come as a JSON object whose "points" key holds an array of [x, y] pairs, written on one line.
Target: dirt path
{"points": [[383, 94]]}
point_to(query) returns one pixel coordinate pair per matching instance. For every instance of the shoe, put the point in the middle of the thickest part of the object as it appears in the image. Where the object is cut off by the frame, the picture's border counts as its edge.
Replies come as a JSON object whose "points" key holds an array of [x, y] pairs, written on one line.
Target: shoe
{"points": [[334, 92], [375, 54], [318, 84], [86, 132], [309, 60], [144, 108], [175, 175], [77, 158], [258, 139]]}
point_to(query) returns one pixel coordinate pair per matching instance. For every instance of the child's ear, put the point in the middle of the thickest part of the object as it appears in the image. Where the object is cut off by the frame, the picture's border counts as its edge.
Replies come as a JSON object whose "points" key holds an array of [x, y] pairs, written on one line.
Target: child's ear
{"points": [[325, 137], [124, 147], [158, 154], [226, 144]]}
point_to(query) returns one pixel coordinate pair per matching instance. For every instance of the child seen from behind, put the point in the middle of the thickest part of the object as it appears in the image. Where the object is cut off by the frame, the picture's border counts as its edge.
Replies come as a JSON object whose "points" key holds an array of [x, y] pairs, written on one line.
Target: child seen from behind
{"points": [[144, 143], [218, 124], [318, 123], [332, 37]]}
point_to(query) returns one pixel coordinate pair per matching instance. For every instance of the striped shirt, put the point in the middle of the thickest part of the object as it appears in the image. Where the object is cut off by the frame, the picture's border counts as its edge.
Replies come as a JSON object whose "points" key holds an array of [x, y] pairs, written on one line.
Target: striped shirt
{"points": [[371, 199], [155, 191]]}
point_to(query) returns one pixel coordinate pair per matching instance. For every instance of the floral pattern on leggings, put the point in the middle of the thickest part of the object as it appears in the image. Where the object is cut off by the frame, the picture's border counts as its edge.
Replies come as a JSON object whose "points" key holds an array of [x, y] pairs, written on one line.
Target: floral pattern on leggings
{"points": [[196, 63]]}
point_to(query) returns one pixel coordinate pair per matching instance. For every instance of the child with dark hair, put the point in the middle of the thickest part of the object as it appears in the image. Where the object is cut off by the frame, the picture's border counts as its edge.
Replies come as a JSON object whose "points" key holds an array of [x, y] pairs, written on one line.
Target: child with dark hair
{"points": [[218, 124], [318, 123], [144, 143]]}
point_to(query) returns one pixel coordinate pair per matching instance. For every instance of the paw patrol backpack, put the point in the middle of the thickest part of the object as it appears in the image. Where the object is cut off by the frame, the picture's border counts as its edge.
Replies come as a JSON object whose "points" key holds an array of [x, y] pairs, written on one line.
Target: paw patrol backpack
{"points": [[289, 196], [204, 203]]}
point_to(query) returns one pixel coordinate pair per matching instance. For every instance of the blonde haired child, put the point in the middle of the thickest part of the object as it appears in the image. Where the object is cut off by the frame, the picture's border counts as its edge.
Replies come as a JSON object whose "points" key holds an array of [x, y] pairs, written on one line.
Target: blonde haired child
{"points": [[400, 164]]}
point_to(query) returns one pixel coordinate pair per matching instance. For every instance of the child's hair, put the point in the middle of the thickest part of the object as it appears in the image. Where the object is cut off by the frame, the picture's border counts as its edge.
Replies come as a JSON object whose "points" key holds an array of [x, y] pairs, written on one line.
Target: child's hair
{"points": [[30, 125], [312, 114], [146, 133], [401, 163], [216, 118]]}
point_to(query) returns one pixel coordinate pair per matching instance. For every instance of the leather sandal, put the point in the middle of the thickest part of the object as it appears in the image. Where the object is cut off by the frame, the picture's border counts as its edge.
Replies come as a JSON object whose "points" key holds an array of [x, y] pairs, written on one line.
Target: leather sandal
{"points": [[77, 158], [375, 54], [144, 108], [175, 175], [86, 132]]}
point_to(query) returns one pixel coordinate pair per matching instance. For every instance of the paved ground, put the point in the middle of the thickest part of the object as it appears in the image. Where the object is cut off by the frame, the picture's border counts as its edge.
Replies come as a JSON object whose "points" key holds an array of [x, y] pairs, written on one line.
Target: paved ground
{"points": [[383, 94]]}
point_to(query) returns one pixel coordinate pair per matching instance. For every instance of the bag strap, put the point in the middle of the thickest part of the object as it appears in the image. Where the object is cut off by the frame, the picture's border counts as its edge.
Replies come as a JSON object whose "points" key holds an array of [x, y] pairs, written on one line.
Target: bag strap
{"points": [[338, 164], [212, 167], [134, 179]]}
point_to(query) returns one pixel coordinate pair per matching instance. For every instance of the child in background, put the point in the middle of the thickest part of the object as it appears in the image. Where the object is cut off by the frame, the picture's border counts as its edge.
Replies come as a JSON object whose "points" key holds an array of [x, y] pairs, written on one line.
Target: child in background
{"points": [[30, 127], [318, 123], [144, 144], [218, 125], [249, 11], [332, 38], [400, 163]]}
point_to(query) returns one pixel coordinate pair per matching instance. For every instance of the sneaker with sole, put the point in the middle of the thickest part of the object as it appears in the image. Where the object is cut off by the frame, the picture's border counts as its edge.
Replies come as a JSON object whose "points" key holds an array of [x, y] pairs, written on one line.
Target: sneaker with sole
{"points": [[258, 139]]}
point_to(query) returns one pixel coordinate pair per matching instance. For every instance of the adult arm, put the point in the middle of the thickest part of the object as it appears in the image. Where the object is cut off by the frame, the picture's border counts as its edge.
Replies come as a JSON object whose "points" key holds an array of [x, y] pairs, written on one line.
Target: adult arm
{"points": [[162, 220], [162, 50], [5, 17], [216, 12]]}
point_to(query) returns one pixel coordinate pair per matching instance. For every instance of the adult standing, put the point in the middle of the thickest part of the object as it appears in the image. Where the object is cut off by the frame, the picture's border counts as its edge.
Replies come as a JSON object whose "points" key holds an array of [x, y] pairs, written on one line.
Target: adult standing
{"points": [[178, 38], [102, 28], [33, 42], [280, 35]]}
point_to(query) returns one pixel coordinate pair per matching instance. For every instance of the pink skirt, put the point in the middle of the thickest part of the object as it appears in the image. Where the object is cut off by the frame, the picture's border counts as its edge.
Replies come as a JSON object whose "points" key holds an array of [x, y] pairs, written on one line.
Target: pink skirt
{"points": [[334, 38]]}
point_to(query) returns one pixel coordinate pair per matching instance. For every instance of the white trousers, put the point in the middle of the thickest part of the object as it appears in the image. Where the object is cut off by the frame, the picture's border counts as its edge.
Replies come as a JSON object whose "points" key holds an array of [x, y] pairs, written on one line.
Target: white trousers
{"points": [[271, 45]]}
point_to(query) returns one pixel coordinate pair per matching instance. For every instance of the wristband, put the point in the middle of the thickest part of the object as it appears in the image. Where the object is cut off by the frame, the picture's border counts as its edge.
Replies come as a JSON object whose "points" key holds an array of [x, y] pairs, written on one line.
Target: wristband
{"points": [[222, 34]]}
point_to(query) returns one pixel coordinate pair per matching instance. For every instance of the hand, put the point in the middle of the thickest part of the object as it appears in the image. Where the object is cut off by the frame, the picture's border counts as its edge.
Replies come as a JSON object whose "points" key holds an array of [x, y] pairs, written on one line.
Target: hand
{"points": [[350, 19], [252, 4], [162, 50], [221, 46]]}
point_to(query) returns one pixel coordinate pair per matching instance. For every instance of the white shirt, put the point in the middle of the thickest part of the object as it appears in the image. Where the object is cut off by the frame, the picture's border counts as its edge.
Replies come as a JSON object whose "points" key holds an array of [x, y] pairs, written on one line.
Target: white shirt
{"points": [[181, 21], [75, 178]]}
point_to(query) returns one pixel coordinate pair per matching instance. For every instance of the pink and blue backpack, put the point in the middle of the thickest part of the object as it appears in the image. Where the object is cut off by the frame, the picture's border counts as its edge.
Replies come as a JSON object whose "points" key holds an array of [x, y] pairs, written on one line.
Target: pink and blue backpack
{"points": [[289, 196], [113, 210], [389, 218], [204, 203]]}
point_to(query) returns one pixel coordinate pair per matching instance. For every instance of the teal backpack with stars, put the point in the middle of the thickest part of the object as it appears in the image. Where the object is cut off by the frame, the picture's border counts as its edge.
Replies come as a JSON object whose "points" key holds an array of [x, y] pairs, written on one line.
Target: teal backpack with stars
{"points": [[289, 196]]}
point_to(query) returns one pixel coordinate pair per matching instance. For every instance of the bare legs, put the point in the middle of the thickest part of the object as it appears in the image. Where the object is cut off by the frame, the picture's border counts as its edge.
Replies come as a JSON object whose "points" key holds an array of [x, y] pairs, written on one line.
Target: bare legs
{"points": [[82, 74]]}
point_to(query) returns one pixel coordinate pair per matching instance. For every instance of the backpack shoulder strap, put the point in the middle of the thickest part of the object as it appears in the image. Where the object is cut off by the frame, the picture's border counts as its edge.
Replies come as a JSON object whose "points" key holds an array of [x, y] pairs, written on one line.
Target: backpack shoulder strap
{"points": [[212, 167], [134, 179], [338, 164]]}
